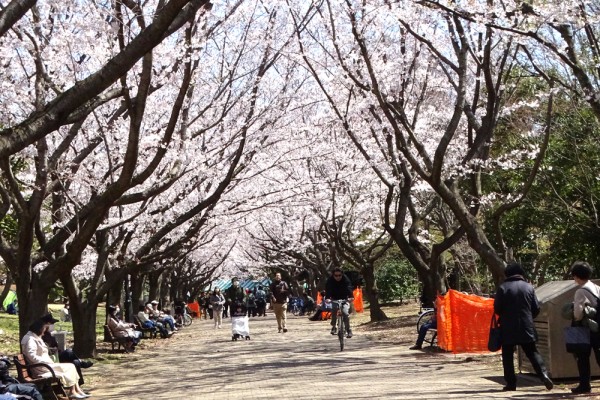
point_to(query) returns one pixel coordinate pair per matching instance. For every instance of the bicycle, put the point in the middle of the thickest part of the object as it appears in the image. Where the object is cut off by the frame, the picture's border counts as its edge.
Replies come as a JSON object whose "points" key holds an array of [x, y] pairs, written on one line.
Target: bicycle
{"points": [[425, 316], [183, 317], [341, 329], [295, 307]]}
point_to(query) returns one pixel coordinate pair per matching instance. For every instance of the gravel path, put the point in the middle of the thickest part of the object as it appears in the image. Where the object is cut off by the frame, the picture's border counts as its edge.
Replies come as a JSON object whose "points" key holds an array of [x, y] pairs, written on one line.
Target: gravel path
{"points": [[305, 363]]}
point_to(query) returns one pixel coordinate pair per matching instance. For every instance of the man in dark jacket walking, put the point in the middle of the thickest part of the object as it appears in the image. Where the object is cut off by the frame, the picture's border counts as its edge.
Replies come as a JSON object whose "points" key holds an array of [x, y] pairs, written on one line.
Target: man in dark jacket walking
{"points": [[280, 292], [339, 287], [516, 306], [234, 297]]}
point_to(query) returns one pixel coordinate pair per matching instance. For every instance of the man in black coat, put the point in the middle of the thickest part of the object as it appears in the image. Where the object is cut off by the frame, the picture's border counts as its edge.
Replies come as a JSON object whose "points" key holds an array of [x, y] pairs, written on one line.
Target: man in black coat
{"points": [[339, 287], [516, 306], [234, 297]]}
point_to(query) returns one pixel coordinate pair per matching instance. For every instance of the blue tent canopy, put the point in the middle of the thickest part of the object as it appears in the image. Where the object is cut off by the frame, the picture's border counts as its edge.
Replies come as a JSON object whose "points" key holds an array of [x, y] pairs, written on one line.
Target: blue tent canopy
{"points": [[225, 284]]}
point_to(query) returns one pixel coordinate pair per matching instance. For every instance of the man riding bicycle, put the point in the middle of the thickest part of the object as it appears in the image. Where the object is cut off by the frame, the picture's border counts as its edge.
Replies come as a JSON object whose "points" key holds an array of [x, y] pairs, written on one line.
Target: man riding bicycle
{"points": [[339, 287]]}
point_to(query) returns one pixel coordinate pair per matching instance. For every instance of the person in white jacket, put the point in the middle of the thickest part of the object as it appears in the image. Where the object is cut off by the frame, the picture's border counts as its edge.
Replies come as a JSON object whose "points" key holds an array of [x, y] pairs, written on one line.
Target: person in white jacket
{"points": [[36, 351], [217, 300], [586, 295]]}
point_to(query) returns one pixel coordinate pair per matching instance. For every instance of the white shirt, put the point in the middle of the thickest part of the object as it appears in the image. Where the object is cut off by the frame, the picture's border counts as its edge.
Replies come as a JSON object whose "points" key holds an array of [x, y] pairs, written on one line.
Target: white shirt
{"points": [[583, 297]]}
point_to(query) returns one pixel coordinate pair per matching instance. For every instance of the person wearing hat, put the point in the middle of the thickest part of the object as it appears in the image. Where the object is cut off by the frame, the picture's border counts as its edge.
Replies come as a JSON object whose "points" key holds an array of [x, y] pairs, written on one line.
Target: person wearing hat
{"points": [[122, 329], [148, 323], [161, 317], [66, 355], [516, 306], [35, 351]]}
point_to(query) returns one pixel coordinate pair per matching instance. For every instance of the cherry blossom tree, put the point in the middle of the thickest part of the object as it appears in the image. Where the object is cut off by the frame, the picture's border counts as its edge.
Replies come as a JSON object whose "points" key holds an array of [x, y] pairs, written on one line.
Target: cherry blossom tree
{"points": [[161, 222], [72, 99], [419, 91], [117, 159]]}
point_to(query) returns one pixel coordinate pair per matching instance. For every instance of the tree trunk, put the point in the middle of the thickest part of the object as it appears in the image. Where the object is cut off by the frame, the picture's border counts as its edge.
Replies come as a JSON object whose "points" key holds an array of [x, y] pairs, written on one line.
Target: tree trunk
{"points": [[430, 289], [84, 328], [137, 290], [114, 295], [153, 286], [165, 298], [7, 286], [33, 303], [372, 294]]}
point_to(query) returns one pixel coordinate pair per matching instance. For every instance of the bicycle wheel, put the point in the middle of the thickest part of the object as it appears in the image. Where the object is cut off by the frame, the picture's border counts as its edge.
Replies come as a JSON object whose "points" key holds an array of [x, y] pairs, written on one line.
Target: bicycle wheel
{"points": [[424, 318], [341, 334], [295, 310], [187, 320]]}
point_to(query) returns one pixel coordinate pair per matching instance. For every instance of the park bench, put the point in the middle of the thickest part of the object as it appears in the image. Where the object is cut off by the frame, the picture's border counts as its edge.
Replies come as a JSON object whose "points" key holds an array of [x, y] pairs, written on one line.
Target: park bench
{"points": [[49, 387], [149, 333], [112, 339]]}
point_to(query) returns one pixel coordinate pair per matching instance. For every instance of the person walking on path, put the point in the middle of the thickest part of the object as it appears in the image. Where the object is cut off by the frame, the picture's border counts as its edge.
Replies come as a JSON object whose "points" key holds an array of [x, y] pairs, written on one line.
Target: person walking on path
{"points": [[234, 296], [261, 301], [339, 287], [218, 301], [586, 295], [516, 306], [279, 299]]}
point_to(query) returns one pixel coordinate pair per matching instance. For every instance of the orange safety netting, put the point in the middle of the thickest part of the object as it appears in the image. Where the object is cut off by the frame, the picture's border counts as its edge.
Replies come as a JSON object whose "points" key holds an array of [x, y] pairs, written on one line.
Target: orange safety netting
{"points": [[463, 322], [194, 308], [358, 300]]}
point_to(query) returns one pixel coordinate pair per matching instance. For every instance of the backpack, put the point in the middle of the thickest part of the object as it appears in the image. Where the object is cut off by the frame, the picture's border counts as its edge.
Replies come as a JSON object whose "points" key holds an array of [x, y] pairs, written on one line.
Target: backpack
{"points": [[592, 313]]}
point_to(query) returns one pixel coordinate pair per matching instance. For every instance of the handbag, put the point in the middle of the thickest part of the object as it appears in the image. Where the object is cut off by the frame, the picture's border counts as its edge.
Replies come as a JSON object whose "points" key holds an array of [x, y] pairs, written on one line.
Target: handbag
{"points": [[495, 338], [577, 339]]}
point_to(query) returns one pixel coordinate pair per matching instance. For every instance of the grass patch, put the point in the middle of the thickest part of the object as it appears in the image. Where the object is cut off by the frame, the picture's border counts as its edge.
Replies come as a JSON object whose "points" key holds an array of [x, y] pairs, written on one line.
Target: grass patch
{"points": [[9, 325], [9, 338]]}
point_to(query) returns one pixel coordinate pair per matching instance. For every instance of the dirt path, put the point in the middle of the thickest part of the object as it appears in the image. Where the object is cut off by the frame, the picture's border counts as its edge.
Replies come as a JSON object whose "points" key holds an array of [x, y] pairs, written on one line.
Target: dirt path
{"points": [[304, 363]]}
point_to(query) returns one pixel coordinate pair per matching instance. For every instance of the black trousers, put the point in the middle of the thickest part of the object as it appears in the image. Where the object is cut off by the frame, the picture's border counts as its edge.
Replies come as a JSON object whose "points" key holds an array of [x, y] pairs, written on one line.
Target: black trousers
{"points": [[583, 365], [508, 351]]}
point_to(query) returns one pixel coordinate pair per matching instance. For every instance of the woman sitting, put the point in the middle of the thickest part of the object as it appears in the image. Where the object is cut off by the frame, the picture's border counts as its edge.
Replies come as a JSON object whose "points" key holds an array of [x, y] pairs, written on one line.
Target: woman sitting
{"points": [[36, 351], [122, 329], [66, 355]]}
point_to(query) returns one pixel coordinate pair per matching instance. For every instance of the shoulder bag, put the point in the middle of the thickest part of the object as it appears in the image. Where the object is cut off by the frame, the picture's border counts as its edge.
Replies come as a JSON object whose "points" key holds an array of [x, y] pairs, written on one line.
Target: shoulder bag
{"points": [[495, 338], [577, 339]]}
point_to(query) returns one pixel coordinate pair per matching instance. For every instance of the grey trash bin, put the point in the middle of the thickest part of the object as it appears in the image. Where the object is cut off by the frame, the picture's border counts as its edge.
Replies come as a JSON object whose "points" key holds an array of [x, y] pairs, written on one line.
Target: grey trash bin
{"points": [[61, 339], [549, 325]]}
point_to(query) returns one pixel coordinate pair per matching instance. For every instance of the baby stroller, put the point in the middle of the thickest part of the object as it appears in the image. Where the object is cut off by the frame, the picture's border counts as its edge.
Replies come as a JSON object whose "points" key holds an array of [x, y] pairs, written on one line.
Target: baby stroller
{"points": [[239, 322]]}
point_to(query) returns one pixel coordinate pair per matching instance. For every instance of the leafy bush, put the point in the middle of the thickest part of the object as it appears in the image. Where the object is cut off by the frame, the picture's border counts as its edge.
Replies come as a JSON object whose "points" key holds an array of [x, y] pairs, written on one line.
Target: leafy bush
{"points": [[396, 280]]}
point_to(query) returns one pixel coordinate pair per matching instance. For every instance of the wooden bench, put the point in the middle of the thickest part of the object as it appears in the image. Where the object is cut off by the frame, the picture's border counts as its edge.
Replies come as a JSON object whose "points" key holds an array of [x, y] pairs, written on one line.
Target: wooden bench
{"points": [[112, 339], [49, 387], [146, 332]]}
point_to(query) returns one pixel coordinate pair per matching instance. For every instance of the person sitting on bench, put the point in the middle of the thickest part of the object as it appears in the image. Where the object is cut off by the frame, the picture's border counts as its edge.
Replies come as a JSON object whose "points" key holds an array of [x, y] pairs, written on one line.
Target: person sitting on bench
{"points": [[11, 389], [35, 351], [431, 324], [321, 308], [66, 355], [122, 329], [149, 323]]}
